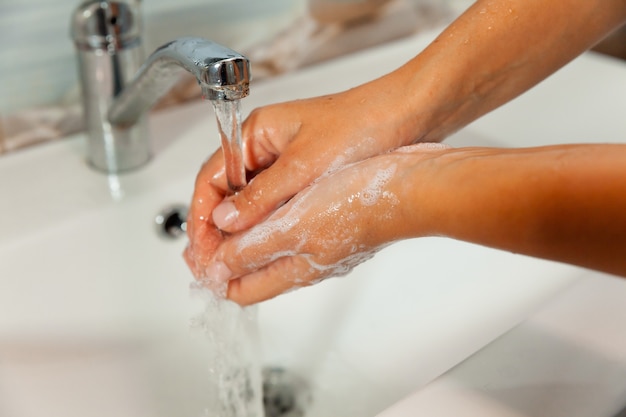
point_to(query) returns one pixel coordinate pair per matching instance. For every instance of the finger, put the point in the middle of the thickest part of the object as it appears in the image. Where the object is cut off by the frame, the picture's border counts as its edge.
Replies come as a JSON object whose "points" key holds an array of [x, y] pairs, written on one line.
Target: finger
{"points": [[256, 248], [265, 134], [203, 236], [199, 254], [283, 275], [207, 193], [264, 194]]}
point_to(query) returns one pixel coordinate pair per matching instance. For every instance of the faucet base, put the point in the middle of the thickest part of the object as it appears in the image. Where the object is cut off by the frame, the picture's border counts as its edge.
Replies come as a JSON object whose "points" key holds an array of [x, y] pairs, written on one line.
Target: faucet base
{"points": [[119, 150]]}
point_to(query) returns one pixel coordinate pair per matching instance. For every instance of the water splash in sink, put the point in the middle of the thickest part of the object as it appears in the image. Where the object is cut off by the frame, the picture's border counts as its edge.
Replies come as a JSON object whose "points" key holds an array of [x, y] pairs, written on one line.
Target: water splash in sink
{"points": [[234, 372]]}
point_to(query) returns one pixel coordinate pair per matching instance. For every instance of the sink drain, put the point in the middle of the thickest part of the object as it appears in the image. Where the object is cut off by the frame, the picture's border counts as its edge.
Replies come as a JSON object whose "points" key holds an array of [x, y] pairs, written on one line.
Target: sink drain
{"points": [[171, 222], [284, 393]]}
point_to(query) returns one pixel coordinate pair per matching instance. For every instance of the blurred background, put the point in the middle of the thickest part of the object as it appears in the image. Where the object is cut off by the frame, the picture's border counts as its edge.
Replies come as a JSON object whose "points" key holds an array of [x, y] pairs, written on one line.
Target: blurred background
{"points": [[39, 97]]}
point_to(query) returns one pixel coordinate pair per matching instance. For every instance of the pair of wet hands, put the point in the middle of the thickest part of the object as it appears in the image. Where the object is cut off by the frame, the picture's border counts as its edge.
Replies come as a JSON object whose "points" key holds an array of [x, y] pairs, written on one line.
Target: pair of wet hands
{"points": [[340, 220]]}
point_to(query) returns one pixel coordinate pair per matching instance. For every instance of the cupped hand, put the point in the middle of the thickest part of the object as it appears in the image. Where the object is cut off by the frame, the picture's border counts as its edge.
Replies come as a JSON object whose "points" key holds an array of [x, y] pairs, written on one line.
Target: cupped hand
{"points": [[289, 145], [325, 230]]}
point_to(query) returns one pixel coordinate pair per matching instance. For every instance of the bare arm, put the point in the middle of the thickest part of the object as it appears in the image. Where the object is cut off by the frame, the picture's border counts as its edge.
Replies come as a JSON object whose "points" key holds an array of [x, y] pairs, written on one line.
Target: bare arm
{"points": [[494, 52], [564, 203], [491, 54]]}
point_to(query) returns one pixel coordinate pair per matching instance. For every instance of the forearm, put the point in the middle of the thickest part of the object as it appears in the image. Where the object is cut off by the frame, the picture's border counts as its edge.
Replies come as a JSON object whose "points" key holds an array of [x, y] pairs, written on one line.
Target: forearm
{"points": [[566, 203], [491, 54]]}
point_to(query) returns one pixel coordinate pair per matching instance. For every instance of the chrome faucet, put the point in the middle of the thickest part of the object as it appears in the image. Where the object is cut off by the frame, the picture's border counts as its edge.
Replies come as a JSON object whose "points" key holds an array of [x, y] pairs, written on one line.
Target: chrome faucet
{"points": [[117, 92]]}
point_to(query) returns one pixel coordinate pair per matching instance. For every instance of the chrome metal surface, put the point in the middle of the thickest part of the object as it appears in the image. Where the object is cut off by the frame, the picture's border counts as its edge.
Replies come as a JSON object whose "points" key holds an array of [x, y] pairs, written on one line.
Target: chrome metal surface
{"points": [[109, 53], [106, 24], [117, 90], [222, 73]]}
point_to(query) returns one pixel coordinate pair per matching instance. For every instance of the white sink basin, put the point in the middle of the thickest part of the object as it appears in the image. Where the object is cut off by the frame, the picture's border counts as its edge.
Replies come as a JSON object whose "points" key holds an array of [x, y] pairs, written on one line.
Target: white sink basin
{"points": [[94, 307]]}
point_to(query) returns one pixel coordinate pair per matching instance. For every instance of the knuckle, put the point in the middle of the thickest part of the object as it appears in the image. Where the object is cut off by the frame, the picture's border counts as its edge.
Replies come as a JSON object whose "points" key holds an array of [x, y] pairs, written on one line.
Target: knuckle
{"points": [[250, 201]]}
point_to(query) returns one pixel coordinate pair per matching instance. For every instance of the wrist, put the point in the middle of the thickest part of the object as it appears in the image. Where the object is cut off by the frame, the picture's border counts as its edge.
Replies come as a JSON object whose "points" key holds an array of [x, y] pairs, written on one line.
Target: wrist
{"points": [[424, 186], [448, 191]]}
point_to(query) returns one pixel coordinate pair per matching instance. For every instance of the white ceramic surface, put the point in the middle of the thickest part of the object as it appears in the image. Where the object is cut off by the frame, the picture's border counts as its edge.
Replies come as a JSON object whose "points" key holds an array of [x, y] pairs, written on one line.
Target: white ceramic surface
{"points": [[94, 307], [566, 360]]}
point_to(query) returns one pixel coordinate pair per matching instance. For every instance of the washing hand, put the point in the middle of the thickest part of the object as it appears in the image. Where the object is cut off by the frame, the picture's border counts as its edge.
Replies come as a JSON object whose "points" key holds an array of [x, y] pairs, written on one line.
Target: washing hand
{"points": [[482, 60], [325, 230], [289, 145], [513, 199], [296, 142]]}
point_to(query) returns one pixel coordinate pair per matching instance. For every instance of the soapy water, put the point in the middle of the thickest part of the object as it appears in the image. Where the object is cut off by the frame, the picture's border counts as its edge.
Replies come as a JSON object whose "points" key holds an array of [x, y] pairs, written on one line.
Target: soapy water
{"points": [[373, 190], [291, 219], [234, 386], [228, 114], [289, 216], [423, 147], [349, 156]]}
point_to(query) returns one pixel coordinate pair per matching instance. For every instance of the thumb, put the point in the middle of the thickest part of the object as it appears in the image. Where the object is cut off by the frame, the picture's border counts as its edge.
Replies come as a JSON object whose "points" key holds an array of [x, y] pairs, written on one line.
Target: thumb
{"points": [[264, 194], [265, 134]]}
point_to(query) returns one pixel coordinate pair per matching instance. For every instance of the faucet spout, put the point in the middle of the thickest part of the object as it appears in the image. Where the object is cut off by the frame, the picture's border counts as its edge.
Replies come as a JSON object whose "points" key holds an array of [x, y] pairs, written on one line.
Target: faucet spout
{"points": [[222, 74], [118, 91]]}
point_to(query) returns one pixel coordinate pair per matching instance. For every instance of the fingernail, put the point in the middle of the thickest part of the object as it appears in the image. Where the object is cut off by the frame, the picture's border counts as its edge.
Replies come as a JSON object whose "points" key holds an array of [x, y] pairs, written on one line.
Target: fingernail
{"points": [[225, 214], [218, 272]]}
